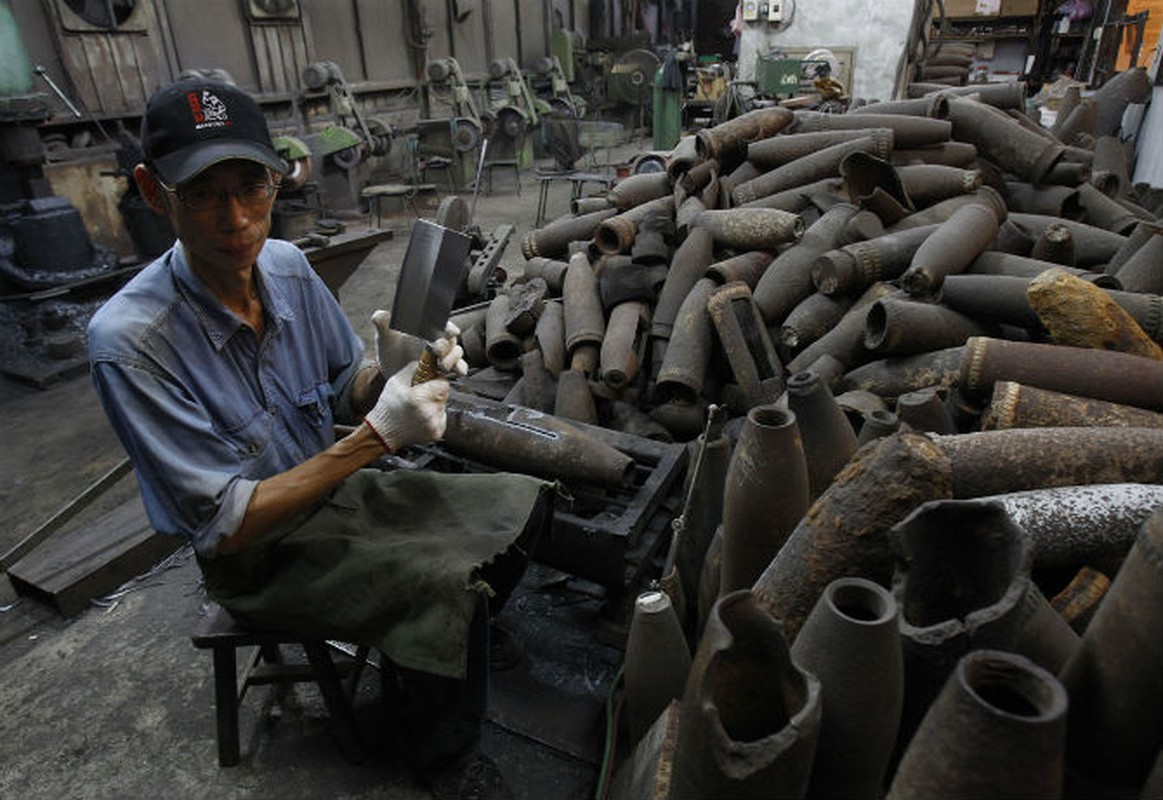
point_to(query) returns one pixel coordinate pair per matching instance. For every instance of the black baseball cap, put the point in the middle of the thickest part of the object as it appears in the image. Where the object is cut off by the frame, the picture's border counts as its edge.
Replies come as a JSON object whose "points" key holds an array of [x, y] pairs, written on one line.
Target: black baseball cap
{"points": [[195, 123]]}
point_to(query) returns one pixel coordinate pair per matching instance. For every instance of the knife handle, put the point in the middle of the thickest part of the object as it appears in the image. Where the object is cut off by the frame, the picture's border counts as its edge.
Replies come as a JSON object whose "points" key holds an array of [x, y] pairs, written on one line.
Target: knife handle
{"points": [[428, 368]]}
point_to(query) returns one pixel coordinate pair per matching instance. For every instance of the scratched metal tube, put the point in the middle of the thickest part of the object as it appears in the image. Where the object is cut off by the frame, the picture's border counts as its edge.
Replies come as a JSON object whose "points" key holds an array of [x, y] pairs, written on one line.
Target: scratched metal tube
{"points": [[523, 440], [635, 190], [822, 192], [854, 267], [951, 154], [940, 212], [950, 249], [1002, 140], [747, 268], [821, 164], [783, 149], [727, 142], [845, 341], [899, 326], [1016, 406], [552, 240], [683, 372], [906, 131], [616, 234]]}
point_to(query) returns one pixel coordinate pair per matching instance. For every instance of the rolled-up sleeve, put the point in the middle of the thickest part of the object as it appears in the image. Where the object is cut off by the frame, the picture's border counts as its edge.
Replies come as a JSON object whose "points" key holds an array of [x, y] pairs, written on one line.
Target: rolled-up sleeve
{"points": [[197, 492]]}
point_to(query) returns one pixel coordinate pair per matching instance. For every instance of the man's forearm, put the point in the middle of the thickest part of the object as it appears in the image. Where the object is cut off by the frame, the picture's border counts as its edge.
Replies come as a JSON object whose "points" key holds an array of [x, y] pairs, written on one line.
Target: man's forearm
{"points": [[365, 389], [283, 497]]}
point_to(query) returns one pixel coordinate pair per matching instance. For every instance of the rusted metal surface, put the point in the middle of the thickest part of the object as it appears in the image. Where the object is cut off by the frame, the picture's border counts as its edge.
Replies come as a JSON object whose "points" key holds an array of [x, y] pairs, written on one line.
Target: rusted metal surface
{"points": [[845, 532], [1016, 406], [1079, 314]]}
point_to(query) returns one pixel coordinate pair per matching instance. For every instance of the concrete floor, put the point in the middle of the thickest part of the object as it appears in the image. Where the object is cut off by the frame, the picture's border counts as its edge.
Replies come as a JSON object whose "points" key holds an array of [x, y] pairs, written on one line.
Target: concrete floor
{"points": [[115, 702]]}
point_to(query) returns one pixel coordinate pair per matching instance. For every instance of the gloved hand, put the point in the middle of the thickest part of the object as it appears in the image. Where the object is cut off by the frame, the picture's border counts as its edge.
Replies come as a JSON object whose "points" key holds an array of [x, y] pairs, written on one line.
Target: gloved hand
{"points": [[405, 414], [395, 349]]}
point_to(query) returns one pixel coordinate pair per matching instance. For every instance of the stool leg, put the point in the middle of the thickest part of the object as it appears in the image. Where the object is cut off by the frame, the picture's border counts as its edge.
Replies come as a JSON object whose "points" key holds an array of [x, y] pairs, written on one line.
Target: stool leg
{"points": [[327, 676], [226, 703]]}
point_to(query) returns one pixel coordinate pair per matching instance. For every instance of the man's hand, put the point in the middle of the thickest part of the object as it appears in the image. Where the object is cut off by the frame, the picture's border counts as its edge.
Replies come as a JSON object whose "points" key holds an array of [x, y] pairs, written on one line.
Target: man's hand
{"points": [[394, 349], [406, 414]]}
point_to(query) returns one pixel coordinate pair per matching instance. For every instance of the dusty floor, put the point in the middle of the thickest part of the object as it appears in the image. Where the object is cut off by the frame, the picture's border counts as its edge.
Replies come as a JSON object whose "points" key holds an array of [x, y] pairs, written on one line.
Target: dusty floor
{"points": [[115, 702]]}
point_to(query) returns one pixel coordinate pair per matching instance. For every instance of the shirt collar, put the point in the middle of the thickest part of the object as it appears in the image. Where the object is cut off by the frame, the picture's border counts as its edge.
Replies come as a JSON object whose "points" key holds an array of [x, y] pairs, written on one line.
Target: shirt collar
{"points": [[217, 320]]}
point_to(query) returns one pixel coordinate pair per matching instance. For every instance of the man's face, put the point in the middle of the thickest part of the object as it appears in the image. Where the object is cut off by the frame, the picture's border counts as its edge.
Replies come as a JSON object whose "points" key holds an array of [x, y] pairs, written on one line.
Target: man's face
{"points": [[223, 215]]}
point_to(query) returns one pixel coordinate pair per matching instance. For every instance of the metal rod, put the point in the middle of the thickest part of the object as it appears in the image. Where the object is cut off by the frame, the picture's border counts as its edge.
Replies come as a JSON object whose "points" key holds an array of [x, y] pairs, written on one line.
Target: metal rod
{"points": [[43, 73], [75, 506], [476, 186]]}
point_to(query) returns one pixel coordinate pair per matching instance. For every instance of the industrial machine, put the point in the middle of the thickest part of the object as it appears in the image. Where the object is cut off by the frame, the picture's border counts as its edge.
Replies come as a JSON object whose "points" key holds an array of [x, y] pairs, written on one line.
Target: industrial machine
{"points": [[453, 126]]}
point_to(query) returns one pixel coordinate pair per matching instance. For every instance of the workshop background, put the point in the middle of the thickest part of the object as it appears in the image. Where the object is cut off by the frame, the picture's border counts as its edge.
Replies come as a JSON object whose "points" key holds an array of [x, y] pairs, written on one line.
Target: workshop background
{"points": [[840, 322]]}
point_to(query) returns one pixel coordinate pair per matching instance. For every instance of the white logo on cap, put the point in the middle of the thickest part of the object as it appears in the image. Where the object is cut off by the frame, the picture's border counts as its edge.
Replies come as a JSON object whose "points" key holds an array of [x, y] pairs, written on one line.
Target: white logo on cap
{"points": [[209, 111]]}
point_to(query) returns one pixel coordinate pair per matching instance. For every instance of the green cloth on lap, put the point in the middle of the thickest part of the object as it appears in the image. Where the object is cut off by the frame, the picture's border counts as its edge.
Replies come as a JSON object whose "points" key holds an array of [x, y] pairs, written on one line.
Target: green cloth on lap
{"points": [[389, 561]]}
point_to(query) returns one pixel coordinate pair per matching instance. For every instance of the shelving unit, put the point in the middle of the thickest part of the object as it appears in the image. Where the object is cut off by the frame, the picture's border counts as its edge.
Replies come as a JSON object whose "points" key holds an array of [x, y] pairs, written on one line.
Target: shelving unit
{"points": [[1003, 41]]}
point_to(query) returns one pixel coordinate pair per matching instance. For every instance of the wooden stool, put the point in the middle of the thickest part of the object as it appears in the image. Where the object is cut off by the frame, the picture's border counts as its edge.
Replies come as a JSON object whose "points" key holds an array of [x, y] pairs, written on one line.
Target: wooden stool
{"points": [[219, 632]]}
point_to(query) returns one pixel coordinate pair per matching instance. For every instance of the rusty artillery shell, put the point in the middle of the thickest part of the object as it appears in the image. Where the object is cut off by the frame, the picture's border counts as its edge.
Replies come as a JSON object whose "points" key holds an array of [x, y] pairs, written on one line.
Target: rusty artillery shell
{"points": [[727, 142], [854, 267], [1082, 119], [539, 389], [927, 184], [950, 248], [898, 326], [527, 441], [892, 377], [924, 410], [950, 154], [1055, 201], [751, 228], [933, 105], [861, 226], [907, 131], [1146, 309], [877, 423], [788, 280], [684, 216], [623, 347], [998, 298], [1143, 270], [744, 172], [682, 157], [1070, 99], [684, 366], [829, 440], [942, 211], [811, 318], [1115, 677], [1019, 459], [823, 192], [1080, 314], [845, 533], [999, 95], [874, 184], [1138, 237], [776, 151], [1103, 212], [845, 341], [1056, 245], [1113, 97], [807, 169], [993, 262], [574, 400], [550, 337], [689, 264], [1016, 406], [588, 205], [1094, 524], [1117, 377], [750, 716], [552, 270], [746, 343], [747, 267], [616, 234], [634, 190], [1109, 172], [1068, 173], [585, 322], [1078, 601], [1107, 746], [502, 348], [552, 240], [1002, 140], [996, 711]]}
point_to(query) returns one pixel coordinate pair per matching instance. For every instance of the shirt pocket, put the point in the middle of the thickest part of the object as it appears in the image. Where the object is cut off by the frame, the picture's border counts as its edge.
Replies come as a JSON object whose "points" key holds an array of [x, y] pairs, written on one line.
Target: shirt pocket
{"points": [[314, 404], [251, 438]]}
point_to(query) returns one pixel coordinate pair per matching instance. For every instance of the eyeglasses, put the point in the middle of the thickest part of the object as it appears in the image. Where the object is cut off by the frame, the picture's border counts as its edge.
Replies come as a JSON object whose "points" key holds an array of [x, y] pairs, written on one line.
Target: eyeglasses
{"points": [[252, 194]]}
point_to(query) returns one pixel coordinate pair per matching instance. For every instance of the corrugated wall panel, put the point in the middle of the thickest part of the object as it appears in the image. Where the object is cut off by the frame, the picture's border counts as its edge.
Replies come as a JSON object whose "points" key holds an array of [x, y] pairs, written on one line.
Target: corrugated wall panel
{"points": [[337, 34], [503, 19], [532, 31], [212, 34]]}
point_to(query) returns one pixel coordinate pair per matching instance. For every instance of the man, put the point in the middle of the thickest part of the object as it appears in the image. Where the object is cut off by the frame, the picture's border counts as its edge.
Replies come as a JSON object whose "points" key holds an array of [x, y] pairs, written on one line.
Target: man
{"points": [[223, 366]]}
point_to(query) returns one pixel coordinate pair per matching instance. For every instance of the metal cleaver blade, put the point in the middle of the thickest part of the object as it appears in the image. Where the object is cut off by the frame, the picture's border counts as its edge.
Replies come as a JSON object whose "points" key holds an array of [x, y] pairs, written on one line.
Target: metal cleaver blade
{"points": [[434, 266]]}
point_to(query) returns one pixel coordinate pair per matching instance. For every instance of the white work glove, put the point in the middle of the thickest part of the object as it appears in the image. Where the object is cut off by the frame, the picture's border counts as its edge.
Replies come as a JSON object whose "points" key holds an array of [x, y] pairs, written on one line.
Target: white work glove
{"points": [[395, 349], [407, 414]]}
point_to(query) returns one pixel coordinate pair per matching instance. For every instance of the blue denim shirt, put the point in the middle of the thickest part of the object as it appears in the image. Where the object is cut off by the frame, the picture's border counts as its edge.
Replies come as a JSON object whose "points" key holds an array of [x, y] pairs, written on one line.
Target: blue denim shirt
{"points": [[205, 410]]}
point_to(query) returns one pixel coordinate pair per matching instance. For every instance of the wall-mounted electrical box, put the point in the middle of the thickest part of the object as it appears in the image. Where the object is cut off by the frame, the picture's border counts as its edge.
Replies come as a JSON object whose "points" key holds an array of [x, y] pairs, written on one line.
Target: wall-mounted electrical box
{"points": [[750, 10], [775, 11]]}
